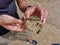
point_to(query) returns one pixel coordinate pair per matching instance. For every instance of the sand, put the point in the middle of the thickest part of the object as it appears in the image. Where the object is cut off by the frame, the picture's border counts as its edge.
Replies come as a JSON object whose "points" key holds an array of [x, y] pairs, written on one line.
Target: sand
{"points": [[51, 31]]}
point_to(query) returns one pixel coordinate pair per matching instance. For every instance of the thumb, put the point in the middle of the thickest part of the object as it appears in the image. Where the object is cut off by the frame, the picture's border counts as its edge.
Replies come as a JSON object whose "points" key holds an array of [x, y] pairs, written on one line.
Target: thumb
{"points": [[29, 12]]}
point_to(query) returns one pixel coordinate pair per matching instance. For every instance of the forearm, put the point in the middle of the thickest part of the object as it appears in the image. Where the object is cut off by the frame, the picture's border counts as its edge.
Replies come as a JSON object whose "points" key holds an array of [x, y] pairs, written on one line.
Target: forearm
{"points": [[22, 5]]}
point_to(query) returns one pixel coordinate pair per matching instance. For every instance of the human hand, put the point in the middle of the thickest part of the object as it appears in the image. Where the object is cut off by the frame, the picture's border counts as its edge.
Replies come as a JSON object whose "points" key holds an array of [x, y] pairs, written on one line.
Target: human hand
{"points": [[6, 19], [38, 11], [14, 27], [11, 23]]}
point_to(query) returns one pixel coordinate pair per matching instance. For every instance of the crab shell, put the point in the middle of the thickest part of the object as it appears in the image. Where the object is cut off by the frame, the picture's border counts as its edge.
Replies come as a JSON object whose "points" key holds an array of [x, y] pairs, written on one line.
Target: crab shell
{"points": [[34, 24]]}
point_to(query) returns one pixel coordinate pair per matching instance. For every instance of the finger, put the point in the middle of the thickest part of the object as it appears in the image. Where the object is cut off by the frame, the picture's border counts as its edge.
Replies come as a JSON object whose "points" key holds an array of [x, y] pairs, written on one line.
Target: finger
{"points": [[45, 16], [8, 27], [12, 20], [29, 12], [17, 29], [20, 21], [12, 28], [15, 20], [41, 11]]}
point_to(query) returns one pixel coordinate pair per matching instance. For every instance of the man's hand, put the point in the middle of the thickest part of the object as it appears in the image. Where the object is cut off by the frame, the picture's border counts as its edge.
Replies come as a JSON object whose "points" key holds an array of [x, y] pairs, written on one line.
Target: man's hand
{"points": [[36, 11], [6, 19], [13, 27], [10, 23]]}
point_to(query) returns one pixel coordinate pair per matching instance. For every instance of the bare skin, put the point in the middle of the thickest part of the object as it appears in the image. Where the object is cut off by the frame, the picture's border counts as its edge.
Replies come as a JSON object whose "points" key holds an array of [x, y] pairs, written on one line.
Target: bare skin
{"points": [[22, 4], [36, 10], [13, 24], [10, 23]]}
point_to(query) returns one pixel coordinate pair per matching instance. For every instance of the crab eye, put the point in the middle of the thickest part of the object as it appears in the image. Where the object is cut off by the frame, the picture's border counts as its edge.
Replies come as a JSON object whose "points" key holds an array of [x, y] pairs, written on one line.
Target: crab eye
{"points": [[37, 23], [38, 31]]}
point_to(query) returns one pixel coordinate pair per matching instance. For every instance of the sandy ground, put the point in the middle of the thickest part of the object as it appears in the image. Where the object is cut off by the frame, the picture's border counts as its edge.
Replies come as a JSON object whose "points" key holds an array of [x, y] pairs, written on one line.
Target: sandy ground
{"points": [[51, 31]]}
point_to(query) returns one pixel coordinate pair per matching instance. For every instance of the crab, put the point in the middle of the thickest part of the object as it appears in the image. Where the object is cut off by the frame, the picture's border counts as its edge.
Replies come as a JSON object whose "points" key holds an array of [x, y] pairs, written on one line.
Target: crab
{"points": [[34, 24]]}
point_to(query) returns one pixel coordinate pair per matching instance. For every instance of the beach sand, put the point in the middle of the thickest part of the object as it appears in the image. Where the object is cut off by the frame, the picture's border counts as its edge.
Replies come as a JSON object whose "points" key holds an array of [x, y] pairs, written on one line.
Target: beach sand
{"points": [[51, 31]]}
